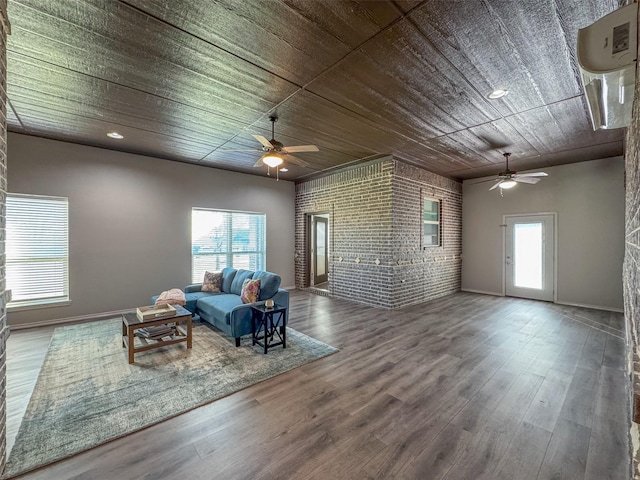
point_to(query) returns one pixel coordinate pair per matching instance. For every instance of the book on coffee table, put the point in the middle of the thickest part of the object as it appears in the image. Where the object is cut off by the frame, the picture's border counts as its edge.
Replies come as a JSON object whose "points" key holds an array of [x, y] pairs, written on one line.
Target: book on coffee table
{"points": [[156, 332]]}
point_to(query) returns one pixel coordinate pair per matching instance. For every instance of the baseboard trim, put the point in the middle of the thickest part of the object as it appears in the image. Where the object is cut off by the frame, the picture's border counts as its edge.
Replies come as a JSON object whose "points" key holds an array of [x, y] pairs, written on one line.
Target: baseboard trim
{"points": [[594, 307], [471, 290], [67, 320], [557, 302]]}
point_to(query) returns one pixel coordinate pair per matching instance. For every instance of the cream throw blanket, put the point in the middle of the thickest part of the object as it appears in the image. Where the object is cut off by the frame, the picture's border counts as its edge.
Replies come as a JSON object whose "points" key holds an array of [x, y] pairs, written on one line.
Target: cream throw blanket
{"points": [[175, 296]]}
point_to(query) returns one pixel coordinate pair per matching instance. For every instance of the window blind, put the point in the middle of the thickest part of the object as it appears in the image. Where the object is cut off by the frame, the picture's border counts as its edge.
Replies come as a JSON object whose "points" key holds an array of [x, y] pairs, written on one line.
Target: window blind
{"points": [[224, 238], [37, 251]]}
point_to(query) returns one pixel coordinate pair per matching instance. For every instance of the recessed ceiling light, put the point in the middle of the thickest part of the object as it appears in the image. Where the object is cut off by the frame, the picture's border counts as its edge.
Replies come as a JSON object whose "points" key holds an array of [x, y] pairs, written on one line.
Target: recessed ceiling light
{"points": [[284, 169], [497, 93], [115, 135]]}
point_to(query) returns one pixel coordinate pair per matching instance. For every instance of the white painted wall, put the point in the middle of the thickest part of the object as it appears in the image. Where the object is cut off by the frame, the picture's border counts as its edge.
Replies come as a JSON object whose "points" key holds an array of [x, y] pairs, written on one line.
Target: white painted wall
{"points": [[589, 200], [130, 219]]}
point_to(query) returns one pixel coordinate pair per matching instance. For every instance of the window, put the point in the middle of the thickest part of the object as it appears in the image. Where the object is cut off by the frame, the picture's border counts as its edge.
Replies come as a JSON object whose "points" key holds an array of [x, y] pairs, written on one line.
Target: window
{"points": [[37, 252], [222, 238], [430, 223]]}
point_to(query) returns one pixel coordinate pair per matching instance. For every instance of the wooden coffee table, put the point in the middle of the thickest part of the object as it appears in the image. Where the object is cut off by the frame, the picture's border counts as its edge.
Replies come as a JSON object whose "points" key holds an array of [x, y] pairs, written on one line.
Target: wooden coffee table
{"points": [[180, 325]]}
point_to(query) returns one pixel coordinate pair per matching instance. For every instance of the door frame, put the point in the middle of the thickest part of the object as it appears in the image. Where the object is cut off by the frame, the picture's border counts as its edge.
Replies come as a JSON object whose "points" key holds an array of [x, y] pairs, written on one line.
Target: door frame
{"points": [[555, 249], [316, 220], [309, 245]]}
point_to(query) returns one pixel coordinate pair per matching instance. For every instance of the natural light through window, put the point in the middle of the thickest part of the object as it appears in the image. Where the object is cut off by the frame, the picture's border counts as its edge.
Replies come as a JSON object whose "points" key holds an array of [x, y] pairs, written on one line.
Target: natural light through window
{"points": [[37, 252], [222, 238], [528, 255]]}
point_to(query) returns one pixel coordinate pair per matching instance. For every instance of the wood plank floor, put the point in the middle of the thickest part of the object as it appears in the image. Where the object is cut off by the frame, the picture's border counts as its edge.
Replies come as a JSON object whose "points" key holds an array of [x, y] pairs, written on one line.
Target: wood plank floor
{"points": [[465, 387]]}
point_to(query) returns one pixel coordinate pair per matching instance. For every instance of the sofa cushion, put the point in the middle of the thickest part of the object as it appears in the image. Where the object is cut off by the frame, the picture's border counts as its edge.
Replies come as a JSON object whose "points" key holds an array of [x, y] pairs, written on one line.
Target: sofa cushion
{"points": [[212, 282], [228, 274], [269, 283], [192, 299], [250, 291], [238, 281], [219, 306]]}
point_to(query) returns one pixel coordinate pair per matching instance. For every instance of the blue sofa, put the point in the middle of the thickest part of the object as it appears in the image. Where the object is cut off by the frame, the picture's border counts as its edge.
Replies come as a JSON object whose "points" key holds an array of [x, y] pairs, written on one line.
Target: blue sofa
{"points": [[225, 310]]}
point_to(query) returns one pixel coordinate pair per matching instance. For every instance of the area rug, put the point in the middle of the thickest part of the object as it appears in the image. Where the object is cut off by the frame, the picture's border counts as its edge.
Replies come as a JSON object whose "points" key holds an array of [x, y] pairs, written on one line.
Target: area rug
{"points": [[88, 394]]}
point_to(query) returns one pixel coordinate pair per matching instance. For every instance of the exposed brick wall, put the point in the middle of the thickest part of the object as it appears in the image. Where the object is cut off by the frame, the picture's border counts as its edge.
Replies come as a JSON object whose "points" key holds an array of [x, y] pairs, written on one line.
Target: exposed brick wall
{"points": [[359, 203], [4, 329], [424, 274], [631, 269], [376, 255]]}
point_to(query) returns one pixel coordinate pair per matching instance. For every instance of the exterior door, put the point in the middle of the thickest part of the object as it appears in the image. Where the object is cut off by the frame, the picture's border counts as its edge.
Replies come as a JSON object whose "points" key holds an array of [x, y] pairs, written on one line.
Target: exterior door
{"points": [[319, 250], [529, 257]]}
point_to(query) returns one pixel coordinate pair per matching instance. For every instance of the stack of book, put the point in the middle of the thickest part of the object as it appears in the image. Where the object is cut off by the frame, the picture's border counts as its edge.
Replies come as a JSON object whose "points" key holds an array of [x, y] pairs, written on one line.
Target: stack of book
{"points": [[155, 333]]}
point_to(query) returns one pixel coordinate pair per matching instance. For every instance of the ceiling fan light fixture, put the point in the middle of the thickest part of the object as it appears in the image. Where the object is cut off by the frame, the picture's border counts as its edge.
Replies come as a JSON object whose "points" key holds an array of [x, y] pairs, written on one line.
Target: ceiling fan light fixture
{"points": [[508, 184], [273, 160], [497, 93]]}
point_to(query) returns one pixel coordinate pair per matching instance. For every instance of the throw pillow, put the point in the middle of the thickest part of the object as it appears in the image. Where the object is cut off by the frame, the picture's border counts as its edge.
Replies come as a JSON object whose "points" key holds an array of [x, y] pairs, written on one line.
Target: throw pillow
{"points": [[212, 282], [250, 291]]}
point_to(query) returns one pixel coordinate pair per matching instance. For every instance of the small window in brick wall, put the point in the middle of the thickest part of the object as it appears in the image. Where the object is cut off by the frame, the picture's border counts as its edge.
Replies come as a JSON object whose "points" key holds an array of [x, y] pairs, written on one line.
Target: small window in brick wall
{"points": [[431, 231]]}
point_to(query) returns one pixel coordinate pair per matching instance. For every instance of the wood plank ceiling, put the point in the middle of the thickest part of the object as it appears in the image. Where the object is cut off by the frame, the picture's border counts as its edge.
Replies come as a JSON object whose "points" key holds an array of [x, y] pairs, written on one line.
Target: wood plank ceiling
{"points": [[188, 80]]}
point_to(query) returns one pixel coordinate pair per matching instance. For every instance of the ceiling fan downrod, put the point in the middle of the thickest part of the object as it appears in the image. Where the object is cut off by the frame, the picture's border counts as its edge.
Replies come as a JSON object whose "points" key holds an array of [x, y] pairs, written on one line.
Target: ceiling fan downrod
{"points": [[273, 119]]}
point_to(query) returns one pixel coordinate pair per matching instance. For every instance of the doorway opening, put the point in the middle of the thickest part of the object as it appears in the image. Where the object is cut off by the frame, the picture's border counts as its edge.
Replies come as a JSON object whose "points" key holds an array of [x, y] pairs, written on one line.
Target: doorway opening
{"points": [[529, 261], [318, 249]]}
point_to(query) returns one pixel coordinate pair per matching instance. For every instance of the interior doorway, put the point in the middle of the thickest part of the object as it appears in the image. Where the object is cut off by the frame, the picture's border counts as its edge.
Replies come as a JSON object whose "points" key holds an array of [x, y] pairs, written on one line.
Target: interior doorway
{"points": [[318, 249], [530, 256]]}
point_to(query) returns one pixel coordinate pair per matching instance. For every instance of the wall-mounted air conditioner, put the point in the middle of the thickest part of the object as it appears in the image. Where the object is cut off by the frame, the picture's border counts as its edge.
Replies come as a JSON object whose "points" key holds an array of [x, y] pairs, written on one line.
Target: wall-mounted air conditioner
{"points": [[607, 53]]}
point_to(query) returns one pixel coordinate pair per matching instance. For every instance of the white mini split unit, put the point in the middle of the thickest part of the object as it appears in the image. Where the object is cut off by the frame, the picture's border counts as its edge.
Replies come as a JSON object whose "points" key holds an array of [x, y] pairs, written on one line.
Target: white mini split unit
{"points": [[607, 53]]}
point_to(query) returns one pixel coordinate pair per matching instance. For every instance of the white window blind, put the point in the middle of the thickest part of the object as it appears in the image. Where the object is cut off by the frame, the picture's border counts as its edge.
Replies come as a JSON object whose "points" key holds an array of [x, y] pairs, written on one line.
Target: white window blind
{"points": [[223, 238], [37, 252]]}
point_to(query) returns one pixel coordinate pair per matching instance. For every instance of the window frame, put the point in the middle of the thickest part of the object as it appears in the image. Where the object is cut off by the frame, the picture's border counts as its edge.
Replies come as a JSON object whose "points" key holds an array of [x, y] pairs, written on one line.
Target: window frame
{"points": [[437, 222], [61, 246], [231, 250]]}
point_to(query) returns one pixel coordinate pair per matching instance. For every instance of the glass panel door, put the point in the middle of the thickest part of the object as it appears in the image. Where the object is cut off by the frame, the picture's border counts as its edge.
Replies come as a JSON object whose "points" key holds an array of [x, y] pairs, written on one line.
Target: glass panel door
{"points": [[320, 249], [529, 257]]}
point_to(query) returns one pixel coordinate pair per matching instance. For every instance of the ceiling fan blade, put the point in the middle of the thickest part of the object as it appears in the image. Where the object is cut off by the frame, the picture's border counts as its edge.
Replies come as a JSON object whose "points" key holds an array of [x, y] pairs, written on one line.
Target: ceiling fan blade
{"points": [[475, 181], [263, 141], [302, 148], [296, 161], [531, 180], [259, 163], [246, 150], [533, 174], [496, 184]]}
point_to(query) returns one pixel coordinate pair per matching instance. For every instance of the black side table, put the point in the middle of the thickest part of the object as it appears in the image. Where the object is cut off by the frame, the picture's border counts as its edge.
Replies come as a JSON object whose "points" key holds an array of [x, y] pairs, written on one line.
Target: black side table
{"points": [[269, 326]]}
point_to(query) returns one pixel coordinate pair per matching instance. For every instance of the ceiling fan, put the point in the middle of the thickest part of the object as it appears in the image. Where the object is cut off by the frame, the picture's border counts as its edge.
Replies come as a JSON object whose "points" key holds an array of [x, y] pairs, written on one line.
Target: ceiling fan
{"points": [[275, 153], [509, 178]]}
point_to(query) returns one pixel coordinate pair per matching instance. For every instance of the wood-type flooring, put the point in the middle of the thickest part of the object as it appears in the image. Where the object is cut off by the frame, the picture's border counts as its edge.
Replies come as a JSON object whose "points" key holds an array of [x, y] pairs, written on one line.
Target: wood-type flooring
{"points": [[464, 387]]}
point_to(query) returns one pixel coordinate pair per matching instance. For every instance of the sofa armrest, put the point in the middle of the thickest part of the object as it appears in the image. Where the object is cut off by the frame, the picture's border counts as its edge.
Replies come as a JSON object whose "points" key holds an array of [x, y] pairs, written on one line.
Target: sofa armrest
{"points": [[245, 306], [195, 287], [281, 298]]}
